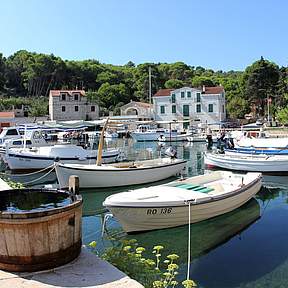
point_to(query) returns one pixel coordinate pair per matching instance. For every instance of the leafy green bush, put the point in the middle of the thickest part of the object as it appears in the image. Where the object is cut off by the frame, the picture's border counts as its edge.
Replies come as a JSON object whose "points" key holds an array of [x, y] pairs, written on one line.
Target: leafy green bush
{"points": [[128, 257]]}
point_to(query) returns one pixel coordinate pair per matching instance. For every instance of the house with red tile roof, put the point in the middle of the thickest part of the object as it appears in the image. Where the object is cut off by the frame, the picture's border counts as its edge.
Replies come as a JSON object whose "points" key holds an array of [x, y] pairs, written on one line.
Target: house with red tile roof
{"points": [[7, 119], [205, 105], [71, 105]]}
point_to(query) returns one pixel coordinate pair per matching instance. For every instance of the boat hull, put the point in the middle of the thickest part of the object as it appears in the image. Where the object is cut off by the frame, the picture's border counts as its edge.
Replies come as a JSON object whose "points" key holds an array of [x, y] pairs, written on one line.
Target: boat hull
{"points": [[155, 136], [253, 151], [256, 163], [105, 177], [21, 161], [136, 219]]}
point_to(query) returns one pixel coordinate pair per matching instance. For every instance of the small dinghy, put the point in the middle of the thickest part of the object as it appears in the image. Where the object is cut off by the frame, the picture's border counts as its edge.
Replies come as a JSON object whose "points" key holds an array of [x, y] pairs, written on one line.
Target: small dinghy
{"points": [[247, 162], [167, 205]]}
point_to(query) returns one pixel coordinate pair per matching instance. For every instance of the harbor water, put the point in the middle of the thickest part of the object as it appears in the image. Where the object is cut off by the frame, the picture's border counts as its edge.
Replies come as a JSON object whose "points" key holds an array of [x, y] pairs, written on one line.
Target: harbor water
{"points": [[242, 249]]}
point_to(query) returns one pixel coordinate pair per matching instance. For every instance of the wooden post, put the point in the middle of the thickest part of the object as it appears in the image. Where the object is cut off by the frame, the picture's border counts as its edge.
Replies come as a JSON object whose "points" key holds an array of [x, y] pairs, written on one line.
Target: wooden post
{"points": [[74, 184]]}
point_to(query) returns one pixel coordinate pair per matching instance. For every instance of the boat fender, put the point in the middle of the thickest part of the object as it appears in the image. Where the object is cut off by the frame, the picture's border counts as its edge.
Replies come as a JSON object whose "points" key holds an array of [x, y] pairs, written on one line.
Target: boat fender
{"points": [[133, 165], [56, 159], [172, 152]]}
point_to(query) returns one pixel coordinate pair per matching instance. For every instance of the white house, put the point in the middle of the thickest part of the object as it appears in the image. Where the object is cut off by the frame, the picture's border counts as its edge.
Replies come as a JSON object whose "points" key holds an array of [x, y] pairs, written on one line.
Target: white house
{"points": [[206, 105], [71, 105]]}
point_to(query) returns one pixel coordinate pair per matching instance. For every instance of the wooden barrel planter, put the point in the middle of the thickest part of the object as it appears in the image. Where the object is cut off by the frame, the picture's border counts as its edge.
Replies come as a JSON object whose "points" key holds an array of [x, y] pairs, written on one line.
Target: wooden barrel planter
{"points": [[39, 229]]}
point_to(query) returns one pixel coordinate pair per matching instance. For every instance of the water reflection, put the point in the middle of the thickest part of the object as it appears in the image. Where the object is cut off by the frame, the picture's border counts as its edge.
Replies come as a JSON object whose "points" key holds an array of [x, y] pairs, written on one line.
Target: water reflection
{"points": [[205, 235]]}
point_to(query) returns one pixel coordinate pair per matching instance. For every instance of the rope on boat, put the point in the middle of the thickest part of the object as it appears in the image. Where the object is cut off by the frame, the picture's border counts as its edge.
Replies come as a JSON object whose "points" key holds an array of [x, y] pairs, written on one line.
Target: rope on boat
{"points": [[36, 172], [39, 178]]}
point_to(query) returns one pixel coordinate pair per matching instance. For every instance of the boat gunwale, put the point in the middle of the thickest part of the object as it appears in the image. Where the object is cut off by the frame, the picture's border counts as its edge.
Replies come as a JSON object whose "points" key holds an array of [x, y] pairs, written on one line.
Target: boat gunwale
{"points": [[192, 201], [64, 166]]}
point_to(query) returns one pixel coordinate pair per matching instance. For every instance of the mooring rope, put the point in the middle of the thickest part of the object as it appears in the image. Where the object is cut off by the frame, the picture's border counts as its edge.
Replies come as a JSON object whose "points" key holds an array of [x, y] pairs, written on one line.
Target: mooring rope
{"points": [[189, 241], [39, 178], [36, 172]]}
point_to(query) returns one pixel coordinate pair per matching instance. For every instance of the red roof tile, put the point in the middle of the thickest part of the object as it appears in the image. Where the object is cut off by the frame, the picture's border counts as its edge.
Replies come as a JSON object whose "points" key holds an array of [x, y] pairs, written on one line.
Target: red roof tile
{"points": [[208, 90], [163, 92], [7, 114], [213, 90], [57, 92]]}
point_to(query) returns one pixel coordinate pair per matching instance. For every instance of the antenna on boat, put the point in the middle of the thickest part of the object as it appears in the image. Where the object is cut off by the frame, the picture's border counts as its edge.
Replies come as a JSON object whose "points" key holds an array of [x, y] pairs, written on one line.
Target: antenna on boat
{"points": [[100, 146], [25, 134]]}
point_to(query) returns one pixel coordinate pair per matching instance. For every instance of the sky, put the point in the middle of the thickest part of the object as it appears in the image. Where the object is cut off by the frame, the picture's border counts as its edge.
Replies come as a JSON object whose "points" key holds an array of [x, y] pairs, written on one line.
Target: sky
{"points": [[217, 34]]}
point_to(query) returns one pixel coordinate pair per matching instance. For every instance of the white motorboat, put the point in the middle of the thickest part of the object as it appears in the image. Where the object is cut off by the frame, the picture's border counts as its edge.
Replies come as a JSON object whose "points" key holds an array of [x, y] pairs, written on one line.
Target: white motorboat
{"points": [[146, 133], [167, 205], [9, 133], [247, 162], [119, 174], [197, 138], [42, 157], [32, 138], [173, 138]]}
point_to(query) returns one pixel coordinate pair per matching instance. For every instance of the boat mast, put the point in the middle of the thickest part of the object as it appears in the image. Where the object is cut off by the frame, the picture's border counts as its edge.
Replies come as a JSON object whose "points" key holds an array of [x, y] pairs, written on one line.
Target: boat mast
{"points": [[100, 145], [150, 86]]}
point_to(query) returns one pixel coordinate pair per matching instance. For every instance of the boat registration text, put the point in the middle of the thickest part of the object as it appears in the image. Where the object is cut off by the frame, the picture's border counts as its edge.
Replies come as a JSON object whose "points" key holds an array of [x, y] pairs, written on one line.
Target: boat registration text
{"points": [[164, 210]]}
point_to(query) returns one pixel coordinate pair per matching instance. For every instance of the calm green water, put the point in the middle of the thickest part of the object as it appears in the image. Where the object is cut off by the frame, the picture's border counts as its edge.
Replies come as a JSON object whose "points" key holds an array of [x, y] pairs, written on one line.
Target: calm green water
{"points": [[32, 201], [245, 248]]}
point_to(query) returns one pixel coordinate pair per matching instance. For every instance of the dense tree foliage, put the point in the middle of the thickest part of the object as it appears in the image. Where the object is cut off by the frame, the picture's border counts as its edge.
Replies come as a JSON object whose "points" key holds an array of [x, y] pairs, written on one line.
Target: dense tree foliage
{"points": [[31, 75]]}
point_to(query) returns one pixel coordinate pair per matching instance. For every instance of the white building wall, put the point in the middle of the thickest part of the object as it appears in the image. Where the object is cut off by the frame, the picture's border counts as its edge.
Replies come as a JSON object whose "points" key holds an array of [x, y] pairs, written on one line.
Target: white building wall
{"points": [[218, 101]]}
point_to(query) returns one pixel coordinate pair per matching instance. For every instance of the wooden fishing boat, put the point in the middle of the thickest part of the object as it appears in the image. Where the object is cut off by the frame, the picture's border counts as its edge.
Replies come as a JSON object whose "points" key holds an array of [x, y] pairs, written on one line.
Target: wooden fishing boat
{"points": [[167, 205], [119, 174]]}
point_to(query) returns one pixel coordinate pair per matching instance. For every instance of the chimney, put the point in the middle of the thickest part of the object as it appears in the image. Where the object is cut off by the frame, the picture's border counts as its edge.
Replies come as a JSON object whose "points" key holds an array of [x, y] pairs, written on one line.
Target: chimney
{"points": [[203, 88]]}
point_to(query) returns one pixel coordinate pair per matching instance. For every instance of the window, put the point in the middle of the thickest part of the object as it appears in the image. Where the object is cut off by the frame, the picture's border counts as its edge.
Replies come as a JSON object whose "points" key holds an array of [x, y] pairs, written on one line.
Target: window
{"points": [[185, 110], [210, 107], [189, 94], [182, 94], [63, 108], [63, 97], [173, 109], [12, 132], [173, 98], [92, 108], [223, 109], [76, 97], [76, 108], [162, 109], [198, 97], [198, 108]]}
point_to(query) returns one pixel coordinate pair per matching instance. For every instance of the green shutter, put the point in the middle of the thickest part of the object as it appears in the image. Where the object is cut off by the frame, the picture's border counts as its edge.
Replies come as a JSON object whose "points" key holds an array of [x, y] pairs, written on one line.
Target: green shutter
{"points": [[185, 110], [210, 108], [173, 98], [198, 108], [182, 94], [162, 109], [189, 94], [198, 95], [173, 109]]}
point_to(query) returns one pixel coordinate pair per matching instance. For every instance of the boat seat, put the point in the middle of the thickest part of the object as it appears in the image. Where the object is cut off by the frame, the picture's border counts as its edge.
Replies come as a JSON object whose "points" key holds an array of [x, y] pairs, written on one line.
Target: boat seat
{"points": [[192, 187]]}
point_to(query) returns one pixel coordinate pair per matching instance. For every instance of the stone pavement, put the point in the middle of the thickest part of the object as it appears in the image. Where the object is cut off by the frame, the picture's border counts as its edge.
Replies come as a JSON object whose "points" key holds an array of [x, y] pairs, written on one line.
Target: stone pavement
{"points": [[87, 270]]}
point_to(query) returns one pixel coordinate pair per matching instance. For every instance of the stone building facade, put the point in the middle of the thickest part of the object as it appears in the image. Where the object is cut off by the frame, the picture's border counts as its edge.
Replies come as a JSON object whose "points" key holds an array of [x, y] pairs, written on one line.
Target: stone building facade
{"points": [[144, 111], [71, 105]]}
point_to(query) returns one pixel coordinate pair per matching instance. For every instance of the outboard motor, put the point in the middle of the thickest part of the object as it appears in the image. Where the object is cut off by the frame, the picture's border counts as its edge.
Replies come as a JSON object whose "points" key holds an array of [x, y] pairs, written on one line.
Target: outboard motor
{"points": [[172, 152]]}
